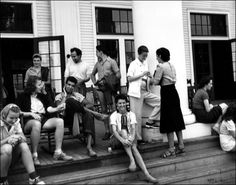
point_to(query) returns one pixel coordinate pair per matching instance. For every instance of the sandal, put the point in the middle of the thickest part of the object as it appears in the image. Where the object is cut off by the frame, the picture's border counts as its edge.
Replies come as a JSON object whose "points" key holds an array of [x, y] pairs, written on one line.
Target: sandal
{"points": [[168, 154], [180, 151]]}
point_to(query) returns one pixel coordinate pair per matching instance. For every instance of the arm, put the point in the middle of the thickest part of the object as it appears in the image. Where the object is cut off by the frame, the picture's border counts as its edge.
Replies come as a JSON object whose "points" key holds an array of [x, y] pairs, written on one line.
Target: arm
{"points": [[94, 72], [137, 77], [207, 105]]}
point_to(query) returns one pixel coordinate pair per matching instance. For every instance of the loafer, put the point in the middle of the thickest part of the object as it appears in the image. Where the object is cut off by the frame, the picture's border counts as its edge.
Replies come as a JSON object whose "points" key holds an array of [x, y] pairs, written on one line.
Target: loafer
{"points": [[62, 156]]}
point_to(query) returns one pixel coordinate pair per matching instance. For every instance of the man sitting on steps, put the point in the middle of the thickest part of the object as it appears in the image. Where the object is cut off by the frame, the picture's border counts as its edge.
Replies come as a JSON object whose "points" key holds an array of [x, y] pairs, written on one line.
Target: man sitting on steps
{"points": [[77, 103]]}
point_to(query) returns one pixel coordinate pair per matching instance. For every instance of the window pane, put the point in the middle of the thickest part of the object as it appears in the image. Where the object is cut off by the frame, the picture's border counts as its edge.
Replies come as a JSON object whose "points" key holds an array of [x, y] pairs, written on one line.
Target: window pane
{"points": [[192, 19], [199, 30], [123, 15], [130, 17], [54, 46], [55, 59], [117, 26], [130, 27], [55, 72], [16, 18], [124, 27], [128, 46], [115, 15], [43, 47], [204, 30], [45, 60], [198, 19], [57, 85], [204, 20]]}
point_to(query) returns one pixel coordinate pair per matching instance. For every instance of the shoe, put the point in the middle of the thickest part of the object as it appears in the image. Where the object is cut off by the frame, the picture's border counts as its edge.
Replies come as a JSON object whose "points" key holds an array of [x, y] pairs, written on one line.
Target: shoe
{"points": [[36, 181], [62, 156], [179, 151], [151, 179], [168, 154], [106, 136], [141, 142], [91, 153], [36, 161]]}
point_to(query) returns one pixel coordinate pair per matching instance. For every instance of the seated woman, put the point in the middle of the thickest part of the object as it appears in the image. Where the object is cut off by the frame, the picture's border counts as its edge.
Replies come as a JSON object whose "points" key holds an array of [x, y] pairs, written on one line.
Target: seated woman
{"points": [[123, 127], [13, 145], [227, 129], [203, 110], [39, 112]]}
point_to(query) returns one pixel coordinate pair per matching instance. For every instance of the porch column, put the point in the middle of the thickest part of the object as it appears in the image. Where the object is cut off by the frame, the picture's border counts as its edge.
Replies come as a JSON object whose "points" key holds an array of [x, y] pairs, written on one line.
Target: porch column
{"points": [[160, 24], [65, 21]]}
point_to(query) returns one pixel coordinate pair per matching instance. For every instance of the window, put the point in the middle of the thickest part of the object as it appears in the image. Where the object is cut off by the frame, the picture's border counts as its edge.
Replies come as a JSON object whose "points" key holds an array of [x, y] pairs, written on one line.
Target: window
{"points": [[114, 21], [208, 25], [15, 18], [129, 52]]}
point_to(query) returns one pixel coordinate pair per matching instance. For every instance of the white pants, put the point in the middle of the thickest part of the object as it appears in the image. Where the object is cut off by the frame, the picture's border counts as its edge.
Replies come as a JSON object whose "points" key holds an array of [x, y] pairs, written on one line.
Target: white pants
{"points": [[136, 106]]}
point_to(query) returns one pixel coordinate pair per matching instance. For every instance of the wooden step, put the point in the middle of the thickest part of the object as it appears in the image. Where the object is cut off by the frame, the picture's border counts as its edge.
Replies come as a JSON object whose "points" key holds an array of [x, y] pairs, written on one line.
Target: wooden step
{"points": [[158, 167]]}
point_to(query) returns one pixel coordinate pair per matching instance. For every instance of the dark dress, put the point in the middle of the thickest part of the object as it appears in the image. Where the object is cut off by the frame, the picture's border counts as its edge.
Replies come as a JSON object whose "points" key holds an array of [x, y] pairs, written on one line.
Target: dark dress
{"points": [[171, 119]]}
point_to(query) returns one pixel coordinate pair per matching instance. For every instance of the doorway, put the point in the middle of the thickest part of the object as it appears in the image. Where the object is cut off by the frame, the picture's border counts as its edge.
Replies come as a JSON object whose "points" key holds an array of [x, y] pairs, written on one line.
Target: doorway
{"points": [[214, 58], [16, 58]]}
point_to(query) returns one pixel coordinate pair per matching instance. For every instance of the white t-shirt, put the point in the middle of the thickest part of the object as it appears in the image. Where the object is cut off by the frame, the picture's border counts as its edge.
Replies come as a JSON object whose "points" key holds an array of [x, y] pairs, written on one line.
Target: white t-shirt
{"points": [[115, 119], [37, 105], [227, 141], [78, 70]]}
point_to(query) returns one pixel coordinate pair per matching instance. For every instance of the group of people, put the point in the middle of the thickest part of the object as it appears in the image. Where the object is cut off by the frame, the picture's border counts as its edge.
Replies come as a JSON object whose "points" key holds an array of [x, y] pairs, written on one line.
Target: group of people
{"points": [[41, 110]]}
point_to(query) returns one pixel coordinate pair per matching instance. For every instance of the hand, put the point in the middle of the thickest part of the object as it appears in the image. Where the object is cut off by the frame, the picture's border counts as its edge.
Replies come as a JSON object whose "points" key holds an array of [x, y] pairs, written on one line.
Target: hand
{"points": [[146, 73], [14, 139], [126, 142], [36, 116], [61, 107]]}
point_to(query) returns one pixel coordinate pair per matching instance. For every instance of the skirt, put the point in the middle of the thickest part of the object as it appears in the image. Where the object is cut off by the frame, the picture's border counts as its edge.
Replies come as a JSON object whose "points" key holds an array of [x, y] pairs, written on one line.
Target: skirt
{"points": [[208, 117], [171, 118]]}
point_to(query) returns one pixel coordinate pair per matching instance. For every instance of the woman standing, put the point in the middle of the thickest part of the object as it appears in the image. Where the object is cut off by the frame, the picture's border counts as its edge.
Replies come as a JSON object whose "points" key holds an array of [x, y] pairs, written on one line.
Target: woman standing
{"points": [[171, 119], [40, 71]]}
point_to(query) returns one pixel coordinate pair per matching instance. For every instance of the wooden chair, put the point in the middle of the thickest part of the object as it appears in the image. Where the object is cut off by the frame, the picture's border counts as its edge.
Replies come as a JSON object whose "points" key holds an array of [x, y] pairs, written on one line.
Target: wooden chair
{"points": [[191, 92]]}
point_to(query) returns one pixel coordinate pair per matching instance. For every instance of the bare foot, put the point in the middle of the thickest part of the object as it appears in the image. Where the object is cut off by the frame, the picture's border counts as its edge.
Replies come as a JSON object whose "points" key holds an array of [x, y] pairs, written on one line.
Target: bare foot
{"points": [[132, 167], [152, 179]]}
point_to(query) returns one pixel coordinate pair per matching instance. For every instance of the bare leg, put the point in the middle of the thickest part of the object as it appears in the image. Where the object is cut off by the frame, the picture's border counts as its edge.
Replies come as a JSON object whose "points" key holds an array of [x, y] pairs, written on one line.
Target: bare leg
{"points": [[179, 135], [170, 137], [34, 127], [91, 153], [141, 164], [26, 157], [132, 166], [6, 157], [58, 124]]}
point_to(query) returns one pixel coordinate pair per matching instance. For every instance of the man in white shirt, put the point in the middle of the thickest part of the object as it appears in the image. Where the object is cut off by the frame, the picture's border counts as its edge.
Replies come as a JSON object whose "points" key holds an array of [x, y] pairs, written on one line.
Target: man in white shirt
{"points": [[139, 93], [78, 69]]}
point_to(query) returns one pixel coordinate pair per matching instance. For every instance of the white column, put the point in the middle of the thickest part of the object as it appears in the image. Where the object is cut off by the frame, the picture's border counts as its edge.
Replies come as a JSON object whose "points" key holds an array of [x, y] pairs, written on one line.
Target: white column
{"points": [[65, 21], [160, 24]]}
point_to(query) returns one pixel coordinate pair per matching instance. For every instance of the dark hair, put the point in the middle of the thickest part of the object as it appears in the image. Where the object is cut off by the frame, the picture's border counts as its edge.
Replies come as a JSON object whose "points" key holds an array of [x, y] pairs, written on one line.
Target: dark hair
{"points": [[204, 81], [142, 49], [77, 50], [71, 79], [230, 113], [31, 84], [102, 48], [120, 97], [163, 53], [37, 55]]}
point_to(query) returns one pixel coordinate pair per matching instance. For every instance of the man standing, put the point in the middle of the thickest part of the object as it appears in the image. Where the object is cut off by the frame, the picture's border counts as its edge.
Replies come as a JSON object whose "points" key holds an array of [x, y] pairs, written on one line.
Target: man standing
{"points": [[77, 103], [78, 69], [108, 76], [139, 81]]}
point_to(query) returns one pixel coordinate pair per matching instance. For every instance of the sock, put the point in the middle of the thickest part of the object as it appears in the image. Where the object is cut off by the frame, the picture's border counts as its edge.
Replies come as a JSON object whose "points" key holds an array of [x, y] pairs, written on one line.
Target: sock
{"points": [[33, 175], [35, 154], [3, 179], [58, 151]]}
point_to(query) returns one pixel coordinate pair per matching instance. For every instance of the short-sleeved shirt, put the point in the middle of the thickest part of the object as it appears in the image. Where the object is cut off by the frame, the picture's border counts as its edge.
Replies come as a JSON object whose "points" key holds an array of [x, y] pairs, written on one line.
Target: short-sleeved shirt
{"points": [[78, 70], [15, 129], [165, 72], [61, 98], [106, 68], [115, 119], [198, 99]]}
